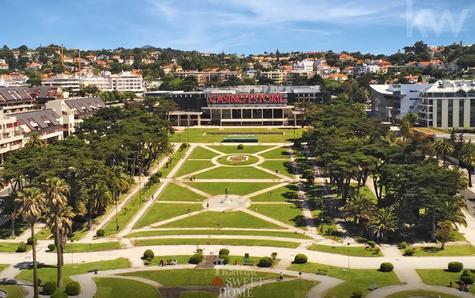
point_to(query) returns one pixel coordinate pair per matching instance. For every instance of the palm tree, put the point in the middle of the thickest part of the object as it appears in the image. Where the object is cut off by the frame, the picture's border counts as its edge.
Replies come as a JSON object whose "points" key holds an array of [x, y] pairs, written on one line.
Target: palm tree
{"points": [[359, 208], [56, 190], [466, 158], [96, 197], [30, 208], [35, 142], [444, 148], [118, 184], [384, 222]]}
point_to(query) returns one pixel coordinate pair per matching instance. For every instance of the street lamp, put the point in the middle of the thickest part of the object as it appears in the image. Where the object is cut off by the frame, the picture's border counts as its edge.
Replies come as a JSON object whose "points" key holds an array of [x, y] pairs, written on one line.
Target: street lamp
{"points": [[300, 283], [348, 246]]}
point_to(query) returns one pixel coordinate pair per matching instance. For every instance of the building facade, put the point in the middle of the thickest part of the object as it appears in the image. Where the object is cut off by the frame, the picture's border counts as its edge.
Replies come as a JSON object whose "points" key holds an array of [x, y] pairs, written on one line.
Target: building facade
{"points": [[242, 105], [392, 102], [448, 104]]}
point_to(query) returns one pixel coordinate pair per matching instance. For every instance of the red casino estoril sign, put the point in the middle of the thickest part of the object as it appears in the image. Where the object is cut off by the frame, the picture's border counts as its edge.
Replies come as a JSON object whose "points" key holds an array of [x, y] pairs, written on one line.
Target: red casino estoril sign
{"points": [[247, 99]]}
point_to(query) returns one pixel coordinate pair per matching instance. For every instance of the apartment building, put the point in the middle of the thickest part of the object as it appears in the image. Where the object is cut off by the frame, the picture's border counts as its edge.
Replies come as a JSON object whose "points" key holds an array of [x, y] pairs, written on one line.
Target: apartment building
{"points": [[204, 77], [448, 104], [65, 82], [278, 77]]}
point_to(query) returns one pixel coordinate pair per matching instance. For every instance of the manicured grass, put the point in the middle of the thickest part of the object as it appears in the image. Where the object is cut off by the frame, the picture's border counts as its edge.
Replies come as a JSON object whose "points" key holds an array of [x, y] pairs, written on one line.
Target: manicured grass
{"points": [[249, 149], [365, 191], [286, 213], [279, 153], [201, 153], [235, 173], [199, 277], [218, 232], [9, 246], [191, 166], [13, 291], [449, 250], [129, 210], [159, 212], [354, 251], [234, 188], [199, 135], [198, 295], [124, 288], [174, 160], [439, 277], [425, 294], [227, 160], [87, 247], [48, 273], [280, 194], [208, 241], [356, 279], [236, 219], [278, 165], [285, 289], [174, 192], [43, 234]]}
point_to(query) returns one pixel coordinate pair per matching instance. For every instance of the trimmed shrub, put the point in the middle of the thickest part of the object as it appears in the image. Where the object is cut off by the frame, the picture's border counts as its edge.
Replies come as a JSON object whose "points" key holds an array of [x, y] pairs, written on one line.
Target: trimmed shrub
{"points": [[371, 244], [29, 241], [59, 294], [265, 262], [409, 251], [273, 255], [455, 267], [51, 247], [376, 250], [100, 233], [195, 259], [402, 245], [356, 294], [49, 288], [240, 146], [72, 288], [467, 277], [21, 247], [184, 146], [386, 267], [225, 259], [148, 255], [300, 259], [224, 252]]}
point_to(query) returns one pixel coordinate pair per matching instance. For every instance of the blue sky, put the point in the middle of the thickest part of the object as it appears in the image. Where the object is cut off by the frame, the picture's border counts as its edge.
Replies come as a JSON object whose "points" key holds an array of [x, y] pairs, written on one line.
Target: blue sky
{"points": [[237, 26]]}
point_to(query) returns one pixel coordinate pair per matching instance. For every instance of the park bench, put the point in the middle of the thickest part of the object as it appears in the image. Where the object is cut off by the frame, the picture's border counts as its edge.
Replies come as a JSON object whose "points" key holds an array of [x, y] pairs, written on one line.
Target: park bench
{"points": [[373, 287], [93, 270], [321, 272]]}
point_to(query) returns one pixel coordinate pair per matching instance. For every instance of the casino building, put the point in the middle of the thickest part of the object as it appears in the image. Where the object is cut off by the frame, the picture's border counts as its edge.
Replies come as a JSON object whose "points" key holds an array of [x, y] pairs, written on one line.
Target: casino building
{"points": [[242, 105]]}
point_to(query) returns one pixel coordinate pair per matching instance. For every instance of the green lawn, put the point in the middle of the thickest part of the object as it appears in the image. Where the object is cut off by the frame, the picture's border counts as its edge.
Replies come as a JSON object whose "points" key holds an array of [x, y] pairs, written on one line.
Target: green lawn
{"points": [[87, 247], [248, 149], [355, 251], [129, 210], [159, 212], [13, 291], [365, 191], [227, 160], [449, 250], [181, 259], [281, 194], [8, 246], [174, 192], [439, 277], [279, 153], [191, 166], [48, 273], [356, 279], [124, 288], [199, 277], [286, 213], [284, 289], [278, 165], [425, 294], [43, 234], [201, 153], [208, 241], [236, 219], [235, 173], [174, 158], [200, 135], [234, 188], [218, 232]]}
